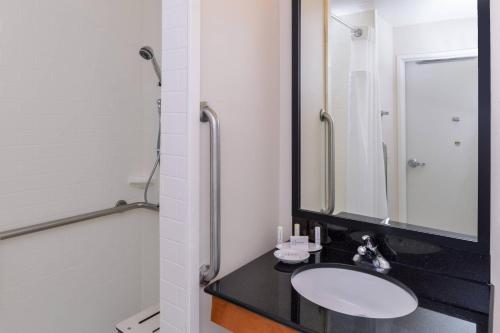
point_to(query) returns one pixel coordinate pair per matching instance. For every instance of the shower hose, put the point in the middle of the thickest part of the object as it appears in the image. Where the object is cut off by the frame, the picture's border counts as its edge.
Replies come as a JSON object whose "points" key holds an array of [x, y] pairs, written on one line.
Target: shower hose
{"points": [[158, 146]]}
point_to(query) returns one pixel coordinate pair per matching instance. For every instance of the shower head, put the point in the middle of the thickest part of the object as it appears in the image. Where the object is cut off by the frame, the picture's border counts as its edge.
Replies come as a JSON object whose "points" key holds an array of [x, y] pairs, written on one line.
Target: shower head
{"points": [[147, 53]]}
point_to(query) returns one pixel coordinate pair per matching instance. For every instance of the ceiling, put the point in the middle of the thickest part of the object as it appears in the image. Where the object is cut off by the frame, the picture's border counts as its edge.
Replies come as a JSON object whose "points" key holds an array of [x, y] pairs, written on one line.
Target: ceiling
{"points": [[346, 7], [409, 12]]}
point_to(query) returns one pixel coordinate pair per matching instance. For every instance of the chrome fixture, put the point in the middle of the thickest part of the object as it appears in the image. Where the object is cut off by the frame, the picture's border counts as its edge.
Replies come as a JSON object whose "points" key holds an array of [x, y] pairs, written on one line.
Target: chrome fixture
{"points": [[210, 271], [158, 153], [413, 163], [384, 152], [120, 207], [369, 253], [356, 32], [329, 163], [384, 113], [147, 53]]}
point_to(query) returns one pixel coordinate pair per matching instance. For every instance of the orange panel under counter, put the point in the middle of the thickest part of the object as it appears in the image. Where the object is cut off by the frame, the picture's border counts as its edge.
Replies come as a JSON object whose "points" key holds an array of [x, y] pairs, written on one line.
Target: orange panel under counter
{"points": [[239, 320]]}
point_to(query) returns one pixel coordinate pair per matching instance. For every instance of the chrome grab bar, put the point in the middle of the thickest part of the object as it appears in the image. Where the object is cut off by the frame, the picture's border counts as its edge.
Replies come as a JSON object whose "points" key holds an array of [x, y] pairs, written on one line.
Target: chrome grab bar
{"points": [[210, 271], [329, 163], [121, 206]]}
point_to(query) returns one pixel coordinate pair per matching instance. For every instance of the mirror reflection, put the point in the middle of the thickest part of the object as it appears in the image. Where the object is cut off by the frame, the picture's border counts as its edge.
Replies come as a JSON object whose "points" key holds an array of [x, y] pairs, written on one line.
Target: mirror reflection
{"points": [[399, 80]]}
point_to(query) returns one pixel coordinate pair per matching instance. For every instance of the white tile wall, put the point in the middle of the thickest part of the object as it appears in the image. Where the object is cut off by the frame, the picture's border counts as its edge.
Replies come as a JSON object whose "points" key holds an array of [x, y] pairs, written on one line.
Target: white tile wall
{"points": [[81, 278], [174, 220], [72, 114], [70, 122], [77, 118], [151, 36]]}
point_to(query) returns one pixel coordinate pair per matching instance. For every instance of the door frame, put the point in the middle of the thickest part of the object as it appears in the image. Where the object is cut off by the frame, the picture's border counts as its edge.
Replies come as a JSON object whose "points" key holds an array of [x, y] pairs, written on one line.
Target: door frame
{"points": [[401, 61]]}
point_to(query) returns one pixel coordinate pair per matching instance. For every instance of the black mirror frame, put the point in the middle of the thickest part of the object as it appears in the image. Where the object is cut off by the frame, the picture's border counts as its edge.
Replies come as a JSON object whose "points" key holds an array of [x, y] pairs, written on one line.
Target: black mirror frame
{"points": [[482, 246]]}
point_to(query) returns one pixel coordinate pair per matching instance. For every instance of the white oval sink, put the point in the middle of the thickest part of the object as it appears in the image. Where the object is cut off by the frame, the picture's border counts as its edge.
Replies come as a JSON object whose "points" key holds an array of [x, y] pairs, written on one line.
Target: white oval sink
{"points": [[354, 292]]}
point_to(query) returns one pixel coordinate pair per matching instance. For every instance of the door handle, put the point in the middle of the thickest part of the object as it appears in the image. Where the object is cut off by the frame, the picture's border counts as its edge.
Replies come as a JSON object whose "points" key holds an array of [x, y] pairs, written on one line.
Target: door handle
{"points": [[413, 163]]}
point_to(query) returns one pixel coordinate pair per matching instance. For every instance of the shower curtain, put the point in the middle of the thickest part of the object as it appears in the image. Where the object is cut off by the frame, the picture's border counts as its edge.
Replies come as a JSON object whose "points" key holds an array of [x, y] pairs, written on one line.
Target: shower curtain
{"points": [[366, 183]]}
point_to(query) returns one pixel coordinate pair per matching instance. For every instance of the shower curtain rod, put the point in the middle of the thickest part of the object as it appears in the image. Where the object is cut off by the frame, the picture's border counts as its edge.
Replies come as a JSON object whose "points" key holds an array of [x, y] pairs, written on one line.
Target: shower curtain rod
{"points": [[357, 32]]}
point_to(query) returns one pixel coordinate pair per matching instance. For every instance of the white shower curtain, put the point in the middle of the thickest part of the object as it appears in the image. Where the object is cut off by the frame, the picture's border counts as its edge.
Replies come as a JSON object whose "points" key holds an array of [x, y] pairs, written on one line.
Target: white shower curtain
{"points": [[366, 184]]}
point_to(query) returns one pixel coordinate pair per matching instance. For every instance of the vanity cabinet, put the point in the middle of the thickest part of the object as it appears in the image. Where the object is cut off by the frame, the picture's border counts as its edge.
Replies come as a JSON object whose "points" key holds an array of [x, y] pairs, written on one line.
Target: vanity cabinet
{"points": [[239, 320], [260, 298]]}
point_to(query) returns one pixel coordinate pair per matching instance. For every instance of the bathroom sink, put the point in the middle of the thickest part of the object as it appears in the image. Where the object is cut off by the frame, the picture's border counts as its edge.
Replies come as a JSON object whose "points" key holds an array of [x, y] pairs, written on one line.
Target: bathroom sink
{"points": [[354, 291]]}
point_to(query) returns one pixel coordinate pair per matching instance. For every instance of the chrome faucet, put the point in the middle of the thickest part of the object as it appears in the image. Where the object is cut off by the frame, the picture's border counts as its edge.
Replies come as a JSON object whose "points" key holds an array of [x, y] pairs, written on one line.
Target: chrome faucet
{"points": [[369, 253]]}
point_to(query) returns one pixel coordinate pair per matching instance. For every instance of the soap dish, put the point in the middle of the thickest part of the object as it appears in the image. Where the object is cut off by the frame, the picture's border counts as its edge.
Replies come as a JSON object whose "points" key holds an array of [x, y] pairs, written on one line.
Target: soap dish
{"points": [[312, 247], [289, 256]]}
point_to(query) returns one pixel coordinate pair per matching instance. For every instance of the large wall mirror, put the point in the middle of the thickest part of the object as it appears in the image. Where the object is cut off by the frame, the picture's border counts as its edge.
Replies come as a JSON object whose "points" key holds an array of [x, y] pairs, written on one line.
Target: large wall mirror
{"points": [[392, 113]]}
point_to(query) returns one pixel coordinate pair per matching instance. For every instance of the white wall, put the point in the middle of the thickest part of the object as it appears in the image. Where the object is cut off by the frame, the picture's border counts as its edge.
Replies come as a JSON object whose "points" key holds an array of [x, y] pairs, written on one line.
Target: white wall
{"points": [[72, 130], [495, 158], [312, 100], [240, 78], [242, 85], [436, 37]]}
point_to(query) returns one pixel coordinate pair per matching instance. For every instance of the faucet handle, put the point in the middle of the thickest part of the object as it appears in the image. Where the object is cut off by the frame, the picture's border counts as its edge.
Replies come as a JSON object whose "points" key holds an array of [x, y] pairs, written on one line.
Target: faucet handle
{"points": [[369, 242], [370, 251], [366, 252]]}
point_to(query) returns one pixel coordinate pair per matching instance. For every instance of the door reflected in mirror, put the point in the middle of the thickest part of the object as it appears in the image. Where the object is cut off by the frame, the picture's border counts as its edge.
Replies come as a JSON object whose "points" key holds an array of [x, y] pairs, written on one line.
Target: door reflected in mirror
{"points": [[400, 81]]}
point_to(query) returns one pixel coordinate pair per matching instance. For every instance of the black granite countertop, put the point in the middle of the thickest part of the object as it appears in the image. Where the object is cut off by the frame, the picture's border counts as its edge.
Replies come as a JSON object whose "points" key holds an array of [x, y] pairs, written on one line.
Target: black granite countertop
{"points": [[446, 304]]}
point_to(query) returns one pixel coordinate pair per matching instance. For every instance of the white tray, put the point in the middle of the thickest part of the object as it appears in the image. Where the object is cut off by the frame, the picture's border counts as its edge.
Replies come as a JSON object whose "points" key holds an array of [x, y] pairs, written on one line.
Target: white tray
{"points": [[311, 248], [289, 256]]}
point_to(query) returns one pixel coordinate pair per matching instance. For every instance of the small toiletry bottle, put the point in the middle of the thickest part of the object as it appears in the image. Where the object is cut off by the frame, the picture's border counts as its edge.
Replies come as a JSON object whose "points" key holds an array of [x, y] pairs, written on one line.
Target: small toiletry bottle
{"points": [[317, 235], [280, 235], [296, 230]]}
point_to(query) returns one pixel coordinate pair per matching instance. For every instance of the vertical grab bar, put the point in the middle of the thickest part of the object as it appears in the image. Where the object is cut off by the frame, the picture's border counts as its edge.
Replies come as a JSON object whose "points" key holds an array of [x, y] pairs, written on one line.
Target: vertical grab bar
{"points": [[210, 271], [329, 163]]}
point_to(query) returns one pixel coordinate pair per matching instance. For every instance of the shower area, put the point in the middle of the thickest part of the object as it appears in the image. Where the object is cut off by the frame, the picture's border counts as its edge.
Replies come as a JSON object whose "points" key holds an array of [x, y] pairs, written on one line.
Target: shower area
{"points": [[80, 145], [355, 102]]}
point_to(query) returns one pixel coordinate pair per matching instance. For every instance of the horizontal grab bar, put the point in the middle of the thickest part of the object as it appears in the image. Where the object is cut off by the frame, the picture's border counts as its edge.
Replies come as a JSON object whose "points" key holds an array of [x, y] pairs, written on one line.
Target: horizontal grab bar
{"points": [[121, 206]]}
